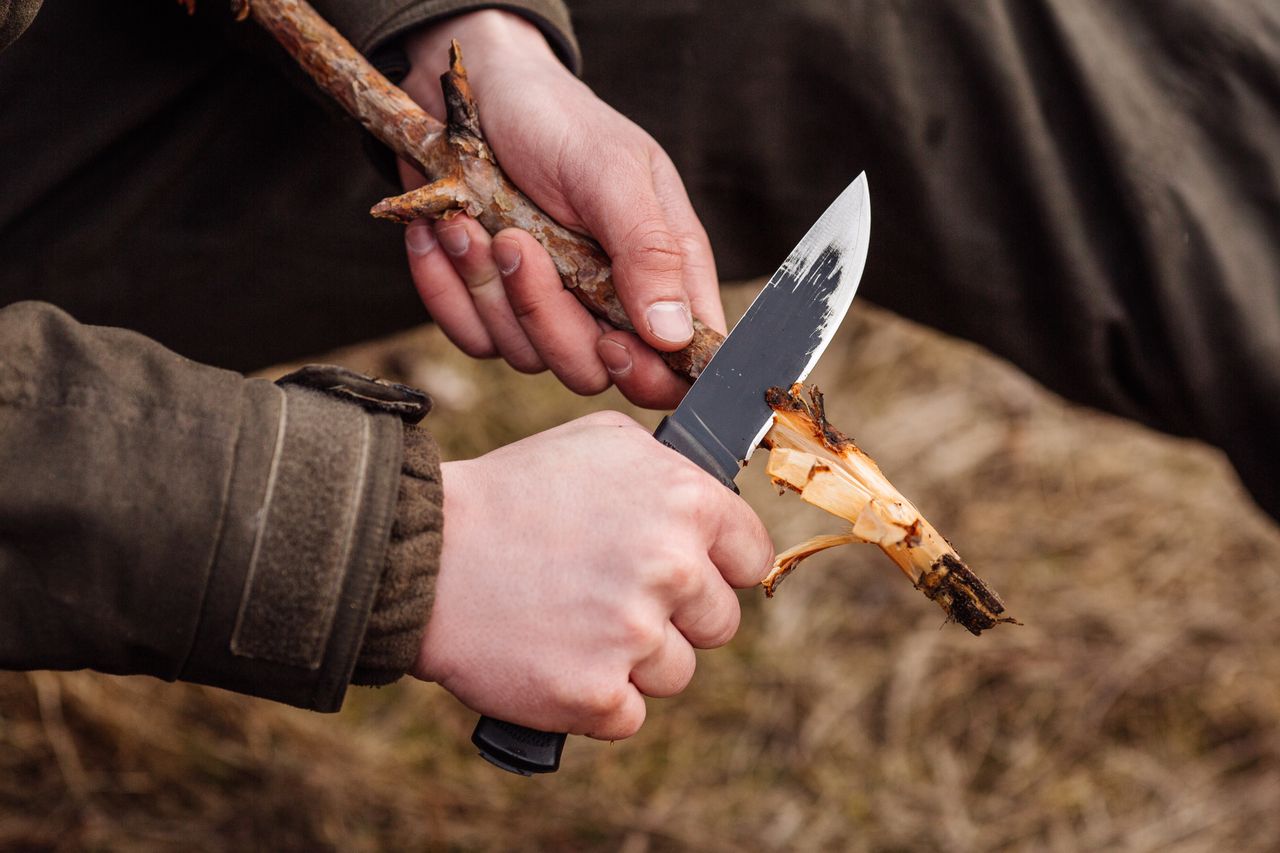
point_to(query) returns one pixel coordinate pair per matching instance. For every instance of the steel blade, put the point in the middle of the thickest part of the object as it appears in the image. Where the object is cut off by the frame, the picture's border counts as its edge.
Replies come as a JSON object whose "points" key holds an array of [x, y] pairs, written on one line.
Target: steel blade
{"points": [[779, 339]]}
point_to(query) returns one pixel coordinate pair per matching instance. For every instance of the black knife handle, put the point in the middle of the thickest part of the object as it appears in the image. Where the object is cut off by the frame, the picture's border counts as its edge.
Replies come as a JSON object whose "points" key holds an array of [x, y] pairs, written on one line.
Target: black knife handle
{"points": [[526, 751], [692, 440], [518, 749]]}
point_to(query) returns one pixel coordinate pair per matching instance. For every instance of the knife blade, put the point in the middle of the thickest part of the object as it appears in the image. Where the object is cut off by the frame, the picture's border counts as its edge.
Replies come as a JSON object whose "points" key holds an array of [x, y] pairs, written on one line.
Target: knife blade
{"points": [[724, 415], [776, 343]]}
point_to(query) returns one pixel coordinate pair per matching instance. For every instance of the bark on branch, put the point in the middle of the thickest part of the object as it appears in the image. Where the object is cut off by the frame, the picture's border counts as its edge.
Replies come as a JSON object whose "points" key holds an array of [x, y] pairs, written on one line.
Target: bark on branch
{"points": [[463, 174]]}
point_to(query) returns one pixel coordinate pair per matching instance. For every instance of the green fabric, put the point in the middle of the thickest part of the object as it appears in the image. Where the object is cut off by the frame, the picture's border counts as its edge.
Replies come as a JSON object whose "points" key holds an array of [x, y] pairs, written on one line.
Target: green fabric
{"points": [[177, 520], [407, 589], [210, 528]]}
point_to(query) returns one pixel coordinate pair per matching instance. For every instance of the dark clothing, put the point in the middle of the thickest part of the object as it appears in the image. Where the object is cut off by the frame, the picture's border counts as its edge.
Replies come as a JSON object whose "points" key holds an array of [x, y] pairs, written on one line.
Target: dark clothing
{"points": [[1089, 189], [178, 177], [156, 515]]}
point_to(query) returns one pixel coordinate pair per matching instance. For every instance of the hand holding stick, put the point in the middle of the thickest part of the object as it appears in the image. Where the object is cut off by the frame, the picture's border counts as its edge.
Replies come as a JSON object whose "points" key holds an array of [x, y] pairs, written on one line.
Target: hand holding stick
{"points": [[463, 173]]}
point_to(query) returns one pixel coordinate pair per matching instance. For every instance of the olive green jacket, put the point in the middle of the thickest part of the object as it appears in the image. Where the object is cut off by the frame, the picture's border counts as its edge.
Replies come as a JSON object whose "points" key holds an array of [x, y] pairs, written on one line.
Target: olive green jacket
{"points": [[165, 517]]}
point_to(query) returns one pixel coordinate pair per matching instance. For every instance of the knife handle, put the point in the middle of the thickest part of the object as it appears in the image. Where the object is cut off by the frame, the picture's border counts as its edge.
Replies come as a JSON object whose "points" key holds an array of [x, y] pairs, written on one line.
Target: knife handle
{"points": [[692, 440], [526, 751], [518, 749]]}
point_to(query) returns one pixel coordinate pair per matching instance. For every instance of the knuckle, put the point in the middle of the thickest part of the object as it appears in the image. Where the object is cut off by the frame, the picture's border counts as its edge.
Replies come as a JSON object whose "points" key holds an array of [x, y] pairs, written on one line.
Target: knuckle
{"points": [[759, 557], [685, 674], [521, 355], [481, 280], [765, 564], [524, 304], [603, 702], [679, 577], [585, 380], [686, 483], [671, 679], [564, 690], [651, 248], [714, 626], [527, 366], [639, 635], [724, 625], [693, 493], [627, 721], [478, 350], [628, 726]]}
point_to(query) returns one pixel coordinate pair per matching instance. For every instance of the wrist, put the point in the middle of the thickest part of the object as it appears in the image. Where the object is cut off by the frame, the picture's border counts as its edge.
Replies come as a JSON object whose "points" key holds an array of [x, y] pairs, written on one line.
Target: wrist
{"points": [[403, 603], [485, 36], [459, 502]]}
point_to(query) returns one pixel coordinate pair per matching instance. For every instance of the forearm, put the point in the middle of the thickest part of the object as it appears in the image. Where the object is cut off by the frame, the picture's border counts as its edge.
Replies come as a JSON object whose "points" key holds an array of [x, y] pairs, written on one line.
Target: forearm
{"points": [[167, 518]]}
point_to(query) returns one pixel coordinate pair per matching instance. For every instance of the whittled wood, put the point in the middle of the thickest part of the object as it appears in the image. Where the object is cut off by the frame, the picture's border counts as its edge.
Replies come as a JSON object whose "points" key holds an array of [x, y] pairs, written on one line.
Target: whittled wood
{"points": [[826, 468], [458, 163]]}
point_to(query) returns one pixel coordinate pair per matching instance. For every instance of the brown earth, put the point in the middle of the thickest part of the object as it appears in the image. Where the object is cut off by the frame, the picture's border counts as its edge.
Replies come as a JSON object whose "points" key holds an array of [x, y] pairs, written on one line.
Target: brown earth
{"points": [[1137, 708]]}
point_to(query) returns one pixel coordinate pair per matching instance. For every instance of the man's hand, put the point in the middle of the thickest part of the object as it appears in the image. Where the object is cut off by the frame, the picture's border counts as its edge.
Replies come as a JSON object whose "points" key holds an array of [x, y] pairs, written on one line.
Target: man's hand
{"points": [[594, 171], [581, 568]]}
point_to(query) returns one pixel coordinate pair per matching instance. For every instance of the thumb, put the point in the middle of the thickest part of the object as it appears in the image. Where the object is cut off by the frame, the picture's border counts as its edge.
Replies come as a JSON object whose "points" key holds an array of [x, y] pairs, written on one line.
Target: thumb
{"points": [[650, 259], [648, 274]]}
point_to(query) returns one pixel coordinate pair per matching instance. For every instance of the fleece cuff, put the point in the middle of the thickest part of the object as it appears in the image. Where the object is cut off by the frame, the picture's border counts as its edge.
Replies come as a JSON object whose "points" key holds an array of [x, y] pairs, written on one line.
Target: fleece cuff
{"points": [[407, 588]]}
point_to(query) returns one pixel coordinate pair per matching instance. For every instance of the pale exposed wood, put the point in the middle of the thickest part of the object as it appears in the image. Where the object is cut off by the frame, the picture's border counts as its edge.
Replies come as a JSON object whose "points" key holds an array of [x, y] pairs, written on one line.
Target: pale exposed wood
{"points": [[826, 468]]}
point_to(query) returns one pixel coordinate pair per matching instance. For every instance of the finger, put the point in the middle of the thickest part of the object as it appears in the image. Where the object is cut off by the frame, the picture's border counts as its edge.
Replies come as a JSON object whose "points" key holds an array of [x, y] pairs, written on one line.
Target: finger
{"points": [[741, 549], [639, 372], [560, 329], [438, 285], [700, 279], [443, 292], [667, 671], [618, 714], [710, 619], [619, 206], [469, 246]]}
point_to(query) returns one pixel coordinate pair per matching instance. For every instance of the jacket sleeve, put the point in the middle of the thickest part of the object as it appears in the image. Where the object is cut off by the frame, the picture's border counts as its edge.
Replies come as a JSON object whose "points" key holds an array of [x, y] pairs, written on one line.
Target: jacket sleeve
{"points": [[162, 517], [368, 24]]}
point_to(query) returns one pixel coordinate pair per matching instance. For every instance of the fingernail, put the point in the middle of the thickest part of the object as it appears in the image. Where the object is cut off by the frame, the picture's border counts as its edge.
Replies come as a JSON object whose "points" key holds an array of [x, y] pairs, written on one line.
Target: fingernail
{"points": [[507, 253], [419, 238], [670, 321], [615, 357], [455, 240]]}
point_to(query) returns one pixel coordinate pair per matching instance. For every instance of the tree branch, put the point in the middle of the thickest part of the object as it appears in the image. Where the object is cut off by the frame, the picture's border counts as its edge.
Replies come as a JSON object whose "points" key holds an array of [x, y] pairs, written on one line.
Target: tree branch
{"points": [[811, 457], [456, 159]]}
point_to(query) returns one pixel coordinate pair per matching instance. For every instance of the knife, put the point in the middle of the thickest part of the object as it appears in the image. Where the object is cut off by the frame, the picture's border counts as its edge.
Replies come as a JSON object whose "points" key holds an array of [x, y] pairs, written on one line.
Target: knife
{"points": [[724, 415]]}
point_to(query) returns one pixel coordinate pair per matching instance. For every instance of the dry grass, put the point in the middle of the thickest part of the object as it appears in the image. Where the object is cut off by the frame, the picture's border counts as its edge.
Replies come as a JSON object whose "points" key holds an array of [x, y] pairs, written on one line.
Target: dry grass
{"points": [[1136, 710]]}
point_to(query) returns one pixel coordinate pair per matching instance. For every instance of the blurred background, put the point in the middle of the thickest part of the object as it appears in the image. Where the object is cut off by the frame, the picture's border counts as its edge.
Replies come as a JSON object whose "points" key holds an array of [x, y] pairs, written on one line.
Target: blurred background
{"points": [[1136, 708]]}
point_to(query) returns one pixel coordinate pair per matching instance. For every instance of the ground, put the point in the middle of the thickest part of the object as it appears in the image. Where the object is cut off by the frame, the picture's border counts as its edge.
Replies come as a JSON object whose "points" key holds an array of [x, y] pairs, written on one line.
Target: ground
{"points": [[1136, 709]]}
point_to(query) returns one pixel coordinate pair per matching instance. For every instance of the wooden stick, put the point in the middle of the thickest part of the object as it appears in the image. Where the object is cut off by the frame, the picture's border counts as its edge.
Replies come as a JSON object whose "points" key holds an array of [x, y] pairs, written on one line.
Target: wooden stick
{"points": [[463, 172], [814, 459]]}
